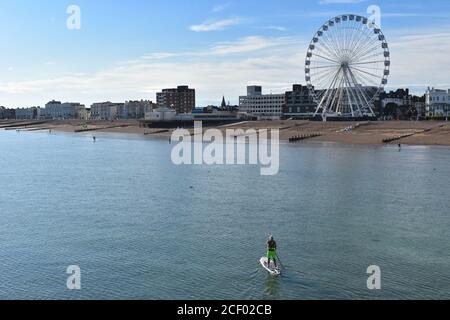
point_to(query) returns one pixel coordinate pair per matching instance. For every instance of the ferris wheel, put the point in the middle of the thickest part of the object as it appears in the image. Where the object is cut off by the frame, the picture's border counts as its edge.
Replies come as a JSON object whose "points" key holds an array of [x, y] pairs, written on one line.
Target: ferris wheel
{"points": [[347, 65]]}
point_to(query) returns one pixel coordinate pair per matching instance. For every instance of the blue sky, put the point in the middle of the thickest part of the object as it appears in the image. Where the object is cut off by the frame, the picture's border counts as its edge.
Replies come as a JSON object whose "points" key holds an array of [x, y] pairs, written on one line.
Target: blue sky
{"points": [[132, 49]]}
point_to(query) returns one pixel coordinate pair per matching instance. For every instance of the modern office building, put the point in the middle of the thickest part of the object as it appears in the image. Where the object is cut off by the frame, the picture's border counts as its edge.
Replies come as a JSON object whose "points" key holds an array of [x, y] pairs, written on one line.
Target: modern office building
{"points": [[262, 106], [299, 103], [182, 99]]}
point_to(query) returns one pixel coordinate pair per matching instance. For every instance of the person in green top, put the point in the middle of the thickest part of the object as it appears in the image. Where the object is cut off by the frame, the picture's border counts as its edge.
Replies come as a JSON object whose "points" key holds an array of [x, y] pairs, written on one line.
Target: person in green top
{"points": [[271, 251]]}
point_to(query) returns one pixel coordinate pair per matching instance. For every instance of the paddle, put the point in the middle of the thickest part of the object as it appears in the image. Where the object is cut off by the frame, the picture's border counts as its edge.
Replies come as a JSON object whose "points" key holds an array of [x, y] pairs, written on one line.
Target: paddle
{"points": [[279, 260]]}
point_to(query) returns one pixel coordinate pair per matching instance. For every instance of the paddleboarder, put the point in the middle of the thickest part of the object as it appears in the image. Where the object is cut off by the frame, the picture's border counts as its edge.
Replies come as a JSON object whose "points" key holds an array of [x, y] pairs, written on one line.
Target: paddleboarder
{"points": [[271, 251]]}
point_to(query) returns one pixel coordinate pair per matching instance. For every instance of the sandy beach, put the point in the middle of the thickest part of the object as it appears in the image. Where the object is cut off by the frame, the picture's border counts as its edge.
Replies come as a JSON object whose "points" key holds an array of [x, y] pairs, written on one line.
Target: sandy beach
{"points": [[404, 132]]}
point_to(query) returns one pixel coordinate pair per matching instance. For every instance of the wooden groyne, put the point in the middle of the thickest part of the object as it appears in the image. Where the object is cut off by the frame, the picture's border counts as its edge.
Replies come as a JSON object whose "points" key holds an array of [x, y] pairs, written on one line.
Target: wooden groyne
{"points": [[31, 129], [156, 132], [19, 125], [99, 128], [305, 136], [396, 138], [356, 126], [363, 124]]}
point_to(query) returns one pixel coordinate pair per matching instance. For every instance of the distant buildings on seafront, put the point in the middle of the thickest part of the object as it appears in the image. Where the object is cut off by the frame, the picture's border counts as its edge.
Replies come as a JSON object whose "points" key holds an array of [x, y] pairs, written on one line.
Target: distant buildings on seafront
{"points": [[7, 113], [263, 106], [28, 113], [182, 99], [55, 110], [179, 104], [400, 104], [125, 111], [299, 103], [105, 110], [437, 102]]}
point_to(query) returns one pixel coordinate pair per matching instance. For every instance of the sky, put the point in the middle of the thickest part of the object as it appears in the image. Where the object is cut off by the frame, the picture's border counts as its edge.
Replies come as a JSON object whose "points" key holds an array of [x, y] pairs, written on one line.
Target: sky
{"points": [[128, 50]]}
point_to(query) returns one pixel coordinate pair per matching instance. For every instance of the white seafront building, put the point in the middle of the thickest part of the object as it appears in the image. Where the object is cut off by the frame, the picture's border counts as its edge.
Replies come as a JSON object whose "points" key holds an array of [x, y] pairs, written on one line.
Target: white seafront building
{"points": [[262, 106], [55, 110], [161, 114], [437, 102], [135, 109], [164, 114], [28, 113], [129, 110], [106, 110]]}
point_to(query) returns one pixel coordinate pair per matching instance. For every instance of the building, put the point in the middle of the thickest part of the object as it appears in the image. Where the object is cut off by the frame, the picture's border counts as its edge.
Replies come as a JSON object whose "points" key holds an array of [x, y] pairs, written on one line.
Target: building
{"points": [[400, 104], [7, 113], [400, 97], [437, 102], [182, 99], [55, 110], [106, 110], [262, 106], [28, 113], [208, 114], [217, 114], [299, 103], [226, 106], [87, 114], [161, 114], [419, 105], [135, 109]]}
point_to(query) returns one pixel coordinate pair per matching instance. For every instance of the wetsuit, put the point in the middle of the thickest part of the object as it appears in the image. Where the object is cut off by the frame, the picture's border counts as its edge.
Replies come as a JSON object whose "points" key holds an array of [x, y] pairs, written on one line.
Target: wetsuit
{"points": [[271, 249]]}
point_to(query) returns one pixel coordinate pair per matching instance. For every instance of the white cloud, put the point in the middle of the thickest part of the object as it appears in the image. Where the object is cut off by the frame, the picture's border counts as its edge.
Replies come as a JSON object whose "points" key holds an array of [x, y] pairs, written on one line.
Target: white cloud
{"points": [[220, 69], [220, 7], [312, 14], [243, 45], [419, 59], [211, 79], [216, 25], [249, 44], [415, 14], [276, 28]]}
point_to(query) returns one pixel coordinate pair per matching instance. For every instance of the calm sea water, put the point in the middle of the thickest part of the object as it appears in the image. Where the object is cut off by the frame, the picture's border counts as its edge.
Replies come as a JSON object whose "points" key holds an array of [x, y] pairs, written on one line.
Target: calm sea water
{"points": [[142, 228]]}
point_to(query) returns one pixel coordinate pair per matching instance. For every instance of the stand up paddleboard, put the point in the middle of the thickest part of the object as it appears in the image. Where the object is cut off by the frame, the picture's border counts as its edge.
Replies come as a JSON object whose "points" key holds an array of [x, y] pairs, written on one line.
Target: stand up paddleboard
{"points": [[271, 269]]}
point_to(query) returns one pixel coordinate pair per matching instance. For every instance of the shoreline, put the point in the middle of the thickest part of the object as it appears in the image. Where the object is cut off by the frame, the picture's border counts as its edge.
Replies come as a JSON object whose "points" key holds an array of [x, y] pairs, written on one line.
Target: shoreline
{"points": [[418, 133]]}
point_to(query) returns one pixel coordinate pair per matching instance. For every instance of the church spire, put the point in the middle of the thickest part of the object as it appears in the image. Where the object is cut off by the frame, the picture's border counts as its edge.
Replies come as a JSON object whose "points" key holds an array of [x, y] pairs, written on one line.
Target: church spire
{"points": [[224, 104]]}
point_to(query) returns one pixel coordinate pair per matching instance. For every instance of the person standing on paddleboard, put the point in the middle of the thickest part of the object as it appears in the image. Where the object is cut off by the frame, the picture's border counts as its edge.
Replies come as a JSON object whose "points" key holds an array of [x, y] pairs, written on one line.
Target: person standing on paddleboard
{"points": [[271, 251]]}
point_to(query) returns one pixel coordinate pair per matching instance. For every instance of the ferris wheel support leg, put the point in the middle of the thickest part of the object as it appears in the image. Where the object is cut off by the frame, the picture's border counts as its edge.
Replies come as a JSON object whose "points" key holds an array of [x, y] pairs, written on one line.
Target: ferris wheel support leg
{"points": [[349, 95], [324, 103], [366, 100]]}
